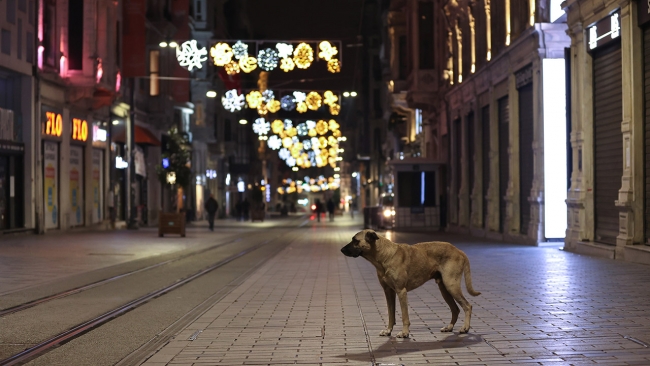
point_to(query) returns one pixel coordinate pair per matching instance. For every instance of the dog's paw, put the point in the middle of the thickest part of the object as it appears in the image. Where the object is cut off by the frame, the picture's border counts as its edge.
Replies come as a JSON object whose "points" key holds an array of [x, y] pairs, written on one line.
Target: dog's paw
{"points": [[464, 330], [385, 333], [402, 335], [448, 328]]}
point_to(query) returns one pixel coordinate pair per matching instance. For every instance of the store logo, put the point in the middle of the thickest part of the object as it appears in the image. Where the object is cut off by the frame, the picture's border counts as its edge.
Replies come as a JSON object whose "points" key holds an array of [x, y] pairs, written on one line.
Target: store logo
{"points": [[99, 134], [53, 124], [596, 38], [79, 129]]}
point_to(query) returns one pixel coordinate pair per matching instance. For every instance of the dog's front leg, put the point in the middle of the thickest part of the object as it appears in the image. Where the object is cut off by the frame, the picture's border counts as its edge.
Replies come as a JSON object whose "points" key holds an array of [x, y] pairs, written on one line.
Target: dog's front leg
{"points": [[390, 301], [404, 305]]}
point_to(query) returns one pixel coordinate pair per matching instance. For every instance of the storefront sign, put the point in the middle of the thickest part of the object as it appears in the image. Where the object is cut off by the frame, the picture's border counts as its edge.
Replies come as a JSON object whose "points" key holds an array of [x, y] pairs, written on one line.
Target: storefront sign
{"points": [[121, 163], [50, 183], [76, 186], [97, 173], [643, 8], [605, 30], [79, 129], [99, 134], [140, 165], [53, 124]]}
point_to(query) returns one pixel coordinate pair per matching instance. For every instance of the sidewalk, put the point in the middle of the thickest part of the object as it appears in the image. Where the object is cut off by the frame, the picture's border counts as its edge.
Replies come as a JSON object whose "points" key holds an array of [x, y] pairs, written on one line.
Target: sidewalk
{"points": [[312, 305]]}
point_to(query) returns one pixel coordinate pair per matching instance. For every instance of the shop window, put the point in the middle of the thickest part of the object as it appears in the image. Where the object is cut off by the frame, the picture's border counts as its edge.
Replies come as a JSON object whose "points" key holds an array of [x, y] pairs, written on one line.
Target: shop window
{"points": [[154, 71], [75, 34], [425, 34], [416, 189]]}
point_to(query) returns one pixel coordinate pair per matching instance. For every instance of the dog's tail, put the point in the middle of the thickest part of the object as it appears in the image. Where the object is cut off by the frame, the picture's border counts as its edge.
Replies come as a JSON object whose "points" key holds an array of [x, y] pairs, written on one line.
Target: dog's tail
{"points": [[468, 280]]}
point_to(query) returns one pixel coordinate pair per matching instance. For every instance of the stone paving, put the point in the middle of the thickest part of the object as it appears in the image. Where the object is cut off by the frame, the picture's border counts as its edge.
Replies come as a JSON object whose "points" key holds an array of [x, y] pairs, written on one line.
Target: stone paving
{"points": [[311, 305]]}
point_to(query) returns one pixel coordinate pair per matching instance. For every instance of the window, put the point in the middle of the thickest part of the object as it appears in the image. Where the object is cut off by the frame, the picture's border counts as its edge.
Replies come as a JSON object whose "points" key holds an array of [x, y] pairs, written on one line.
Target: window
{"points": [[19, 40], [75, 34], [30, 14], [49, 33], [22, 5], [556, 10], [11, 11], [198, 11], [425, 32], [401, 52], [154, 72], [416, 189], [29, 48], [6, 42]]}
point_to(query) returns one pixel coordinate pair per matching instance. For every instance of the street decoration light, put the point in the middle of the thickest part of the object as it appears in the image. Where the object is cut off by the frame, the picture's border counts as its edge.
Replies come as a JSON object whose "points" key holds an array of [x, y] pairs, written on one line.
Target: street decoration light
{"points": [[221, 54], [303, 56], [190, 56], [233, 101]]}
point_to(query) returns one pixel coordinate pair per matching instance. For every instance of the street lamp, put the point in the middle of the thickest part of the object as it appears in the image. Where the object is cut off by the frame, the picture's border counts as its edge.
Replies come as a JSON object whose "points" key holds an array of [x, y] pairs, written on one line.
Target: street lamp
{"points": [[243, 122], [162, 44], [173, 44], [353, 94], [346, 94], [211, 94]]}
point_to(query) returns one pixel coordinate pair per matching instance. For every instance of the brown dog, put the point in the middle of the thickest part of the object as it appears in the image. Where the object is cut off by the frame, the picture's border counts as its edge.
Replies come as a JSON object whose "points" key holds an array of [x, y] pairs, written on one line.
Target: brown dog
{"points": [[402, 268]]}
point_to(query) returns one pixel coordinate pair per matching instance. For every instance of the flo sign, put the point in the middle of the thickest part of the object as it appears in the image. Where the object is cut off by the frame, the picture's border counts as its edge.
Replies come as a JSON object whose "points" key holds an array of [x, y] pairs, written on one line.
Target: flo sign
{"points": [[604, 31]]}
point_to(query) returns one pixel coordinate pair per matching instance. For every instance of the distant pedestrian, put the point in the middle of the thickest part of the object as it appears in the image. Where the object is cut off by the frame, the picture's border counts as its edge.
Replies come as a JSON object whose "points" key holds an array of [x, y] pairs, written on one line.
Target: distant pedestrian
{"points": [[319, 209], [330, 209], [111, 207], [352, 205], [245, 206], [211, 206]]}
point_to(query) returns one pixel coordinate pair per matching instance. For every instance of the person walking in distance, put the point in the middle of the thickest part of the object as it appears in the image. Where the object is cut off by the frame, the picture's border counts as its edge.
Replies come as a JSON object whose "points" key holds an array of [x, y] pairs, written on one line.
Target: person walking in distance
{"points": [[211, 206], [319, 208], [330, 209]]}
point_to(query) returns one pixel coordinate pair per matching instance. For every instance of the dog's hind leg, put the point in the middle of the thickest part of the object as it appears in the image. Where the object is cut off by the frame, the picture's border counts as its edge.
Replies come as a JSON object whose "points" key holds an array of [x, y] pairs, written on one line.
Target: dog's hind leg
{"points": [[390, 301], [404, 305], [455, 290], [452, 305]]}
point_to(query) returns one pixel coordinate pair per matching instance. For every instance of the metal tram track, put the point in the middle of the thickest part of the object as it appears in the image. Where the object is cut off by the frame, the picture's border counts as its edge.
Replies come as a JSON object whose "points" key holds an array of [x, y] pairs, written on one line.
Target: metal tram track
{"points": [[76, 290], [78, 330]]}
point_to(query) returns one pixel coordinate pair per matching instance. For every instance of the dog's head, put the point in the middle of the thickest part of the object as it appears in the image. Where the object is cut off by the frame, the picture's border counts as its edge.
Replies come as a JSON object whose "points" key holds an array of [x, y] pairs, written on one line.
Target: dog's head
{"points": [[362, 242]]}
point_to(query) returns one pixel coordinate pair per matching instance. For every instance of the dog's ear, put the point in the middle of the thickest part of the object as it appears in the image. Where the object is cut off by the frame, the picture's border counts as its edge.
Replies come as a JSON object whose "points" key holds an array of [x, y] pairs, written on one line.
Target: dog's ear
{"points": [[371, 237]]}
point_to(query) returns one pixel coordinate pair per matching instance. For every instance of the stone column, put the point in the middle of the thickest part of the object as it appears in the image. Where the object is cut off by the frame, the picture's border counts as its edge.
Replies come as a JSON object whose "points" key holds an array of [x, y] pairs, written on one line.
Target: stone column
{"points": [[536, 195], [493, 184], [511, 225]]}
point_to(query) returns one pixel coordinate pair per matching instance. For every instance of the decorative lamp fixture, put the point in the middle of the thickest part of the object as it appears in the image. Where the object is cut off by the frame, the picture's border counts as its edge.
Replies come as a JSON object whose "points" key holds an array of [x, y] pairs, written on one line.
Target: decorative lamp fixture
{"points": [[240, 50], [268, 59], [233, 101], [221, 54], [303, 56]]}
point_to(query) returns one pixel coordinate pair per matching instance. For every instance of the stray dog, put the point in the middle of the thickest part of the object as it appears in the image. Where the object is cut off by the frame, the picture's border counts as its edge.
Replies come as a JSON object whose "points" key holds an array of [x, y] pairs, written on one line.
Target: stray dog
{"points": [[402, 268]]}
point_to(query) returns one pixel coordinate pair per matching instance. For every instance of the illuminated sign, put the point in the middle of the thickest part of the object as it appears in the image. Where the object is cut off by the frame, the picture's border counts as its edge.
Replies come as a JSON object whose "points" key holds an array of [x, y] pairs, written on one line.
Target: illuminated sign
{"points": [[53, 124], [99, 134], [211, 174], [120, 163], [605, 31], [79, 129]]}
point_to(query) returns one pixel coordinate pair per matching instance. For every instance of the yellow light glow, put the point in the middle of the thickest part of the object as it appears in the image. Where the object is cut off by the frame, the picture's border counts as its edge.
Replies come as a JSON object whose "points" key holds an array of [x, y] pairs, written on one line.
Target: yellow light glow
{"points": [[336, 133], [232, 68], [333, 125], [313, 101], [322, 141], [312, 132], [333, 66], [261, 110], [273, 106], [327, 50], [254, 99], [321, 127], [291, 132], [330, 98], [221, 54], [332, 141], [287, 64], [303, 55], [295, 153], [301, 107], [333, 151], [335, 109], [280, 190], [287, 142], [248, 64], [277, 126]]}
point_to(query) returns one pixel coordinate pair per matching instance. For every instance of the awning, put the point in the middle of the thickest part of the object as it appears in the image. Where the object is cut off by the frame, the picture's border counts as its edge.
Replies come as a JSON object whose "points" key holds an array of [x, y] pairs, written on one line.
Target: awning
{"points": [[142, 136]]}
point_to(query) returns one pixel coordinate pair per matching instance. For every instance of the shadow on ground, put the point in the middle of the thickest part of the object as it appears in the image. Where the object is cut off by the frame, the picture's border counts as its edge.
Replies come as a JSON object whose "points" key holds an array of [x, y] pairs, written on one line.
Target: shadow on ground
{"points": [[396, 347]]}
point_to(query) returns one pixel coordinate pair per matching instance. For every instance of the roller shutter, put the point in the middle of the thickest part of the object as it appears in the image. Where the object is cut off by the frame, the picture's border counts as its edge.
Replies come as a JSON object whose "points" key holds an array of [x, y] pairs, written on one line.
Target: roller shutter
{"points": [[457, 172], [525, 153], [471, 149], [485, 147], [646, 62], [504, 166], [608, 141]]}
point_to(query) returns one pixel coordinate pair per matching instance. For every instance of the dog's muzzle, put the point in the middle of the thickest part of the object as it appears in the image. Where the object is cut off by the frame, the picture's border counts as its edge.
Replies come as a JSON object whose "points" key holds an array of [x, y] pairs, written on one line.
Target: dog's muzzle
{"points": [[351, 250]]}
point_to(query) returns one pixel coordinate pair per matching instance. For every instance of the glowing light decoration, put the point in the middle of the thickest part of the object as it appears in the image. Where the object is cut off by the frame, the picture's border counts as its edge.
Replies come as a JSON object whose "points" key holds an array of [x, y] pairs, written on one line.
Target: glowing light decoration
{"points": [[261, 110], [310, 124], [268, 95], [190, 56], [254, 99], [291, 161], [274, 142], [261, 127], [288, 124], [284, 154], [303, 56], [321, 127], [333, 66], [299, 96], [302, 129], [268, 59], [100, 71], [287, 142], [233, 101], [291, 132], [248, 64], [240, 50], [232, 68], [284, 49], [313, 101], [287, 64], [327, 50], [335, 109], [288, 103], [306, 144], [221, 54], [302, 107], [118, 81], [277, 126], [273, 106], [333, 125], [330, 98]]}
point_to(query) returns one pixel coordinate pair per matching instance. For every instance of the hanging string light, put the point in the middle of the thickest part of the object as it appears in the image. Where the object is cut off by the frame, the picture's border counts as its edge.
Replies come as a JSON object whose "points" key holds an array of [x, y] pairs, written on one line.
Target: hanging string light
{"points": [[274, 142], [288, 103], [287, 64], [261, 127], [335, 109], [303, 56], [284, 49], [232, 68], [273, 106], [330, 98], [277, 126], [268, 95]]}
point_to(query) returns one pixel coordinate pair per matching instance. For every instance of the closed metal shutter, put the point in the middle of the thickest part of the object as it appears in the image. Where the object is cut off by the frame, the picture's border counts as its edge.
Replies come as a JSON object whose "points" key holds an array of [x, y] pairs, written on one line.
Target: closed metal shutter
{"points": [[458, 165], [504, 168], [608, 141], [471, 148], [525, 153], [646, 62], [485, 148]]}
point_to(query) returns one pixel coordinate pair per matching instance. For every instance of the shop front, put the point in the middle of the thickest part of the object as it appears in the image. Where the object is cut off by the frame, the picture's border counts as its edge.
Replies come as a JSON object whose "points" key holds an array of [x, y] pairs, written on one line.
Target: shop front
{"points": [[52, 130], [76, 171]]}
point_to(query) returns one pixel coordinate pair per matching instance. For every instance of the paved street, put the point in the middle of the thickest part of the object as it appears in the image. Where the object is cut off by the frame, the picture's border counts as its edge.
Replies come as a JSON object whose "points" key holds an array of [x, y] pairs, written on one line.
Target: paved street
{"points": [[309, 304]]}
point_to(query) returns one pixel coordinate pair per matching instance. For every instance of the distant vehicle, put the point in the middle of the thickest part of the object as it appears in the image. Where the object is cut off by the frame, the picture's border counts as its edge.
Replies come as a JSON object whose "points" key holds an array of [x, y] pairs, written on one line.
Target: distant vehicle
{"points": [[386, 211]]}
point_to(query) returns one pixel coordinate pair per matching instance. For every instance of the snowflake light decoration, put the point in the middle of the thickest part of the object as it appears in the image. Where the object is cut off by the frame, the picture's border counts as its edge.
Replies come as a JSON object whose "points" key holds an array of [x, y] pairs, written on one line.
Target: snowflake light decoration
{"points": [[284, 49], [313, 101], [240, 50], [333, 125], [233, 101], [306, 145], [287, 64], [268, 95], [291, 161], [310, 124], [221, 54], [288, 103], [261, 127], [302, 129], [190, 56], [287, 142], [327, 50], [268, 59], [284, 154], [335, 109], [303, 56], [295, 140], [330, 98], [299, 96], [274, 142], [288, 124]]}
